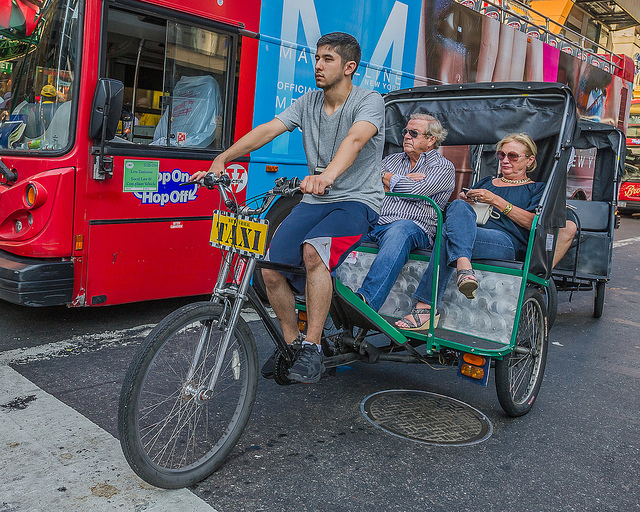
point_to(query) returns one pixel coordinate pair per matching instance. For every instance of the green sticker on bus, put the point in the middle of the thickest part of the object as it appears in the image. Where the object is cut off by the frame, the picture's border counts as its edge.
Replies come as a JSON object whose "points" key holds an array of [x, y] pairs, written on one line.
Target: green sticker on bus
{"points": [[140, 176]]}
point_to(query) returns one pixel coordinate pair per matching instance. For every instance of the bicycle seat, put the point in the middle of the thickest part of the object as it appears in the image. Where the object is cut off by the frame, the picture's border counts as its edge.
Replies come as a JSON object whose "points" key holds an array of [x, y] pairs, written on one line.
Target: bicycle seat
{"points": [[282, 267]]}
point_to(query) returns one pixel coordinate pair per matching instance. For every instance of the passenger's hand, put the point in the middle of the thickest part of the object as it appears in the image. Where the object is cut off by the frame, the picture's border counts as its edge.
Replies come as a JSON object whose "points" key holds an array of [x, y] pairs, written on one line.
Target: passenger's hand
{"points": [[217, 167], [481, 195], [315, 184], [416, 176]]}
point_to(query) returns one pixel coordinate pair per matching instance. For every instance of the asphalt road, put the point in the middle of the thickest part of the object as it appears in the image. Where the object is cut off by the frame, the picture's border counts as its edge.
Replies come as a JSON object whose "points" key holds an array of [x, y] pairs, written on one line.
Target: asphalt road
{"points": [[309, 448]]}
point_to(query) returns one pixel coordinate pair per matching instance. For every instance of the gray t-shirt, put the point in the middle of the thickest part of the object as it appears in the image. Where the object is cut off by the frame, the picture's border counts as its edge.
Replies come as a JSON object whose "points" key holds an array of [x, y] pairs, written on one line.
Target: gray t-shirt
{"points": [[322, 136]]}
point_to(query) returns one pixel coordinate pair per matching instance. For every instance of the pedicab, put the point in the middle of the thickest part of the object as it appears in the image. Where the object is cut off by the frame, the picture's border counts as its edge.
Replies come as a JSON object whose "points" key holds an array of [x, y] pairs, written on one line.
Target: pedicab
{"points": [[587, 263], [190, 388]]}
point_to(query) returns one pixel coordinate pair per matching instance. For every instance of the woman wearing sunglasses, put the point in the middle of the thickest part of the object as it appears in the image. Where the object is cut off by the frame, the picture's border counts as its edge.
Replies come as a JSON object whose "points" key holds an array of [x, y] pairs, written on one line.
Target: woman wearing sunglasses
{"points": [[514, 197]]}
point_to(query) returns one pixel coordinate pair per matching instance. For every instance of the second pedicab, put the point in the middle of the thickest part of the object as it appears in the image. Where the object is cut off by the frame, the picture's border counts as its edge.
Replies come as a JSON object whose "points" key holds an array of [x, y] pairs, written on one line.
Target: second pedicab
{"points": [[592, 206]]}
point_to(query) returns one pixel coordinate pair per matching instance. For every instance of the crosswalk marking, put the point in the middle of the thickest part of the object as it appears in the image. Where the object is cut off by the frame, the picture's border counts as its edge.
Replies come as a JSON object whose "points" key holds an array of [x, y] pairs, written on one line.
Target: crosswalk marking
{"points": [[91, 342], [626, 241], [75, 344], [53, 458]]}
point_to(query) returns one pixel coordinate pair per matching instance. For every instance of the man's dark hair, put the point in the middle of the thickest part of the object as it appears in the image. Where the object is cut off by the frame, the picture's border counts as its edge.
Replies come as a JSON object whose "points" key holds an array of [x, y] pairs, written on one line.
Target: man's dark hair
{"points": [[344, 45]]}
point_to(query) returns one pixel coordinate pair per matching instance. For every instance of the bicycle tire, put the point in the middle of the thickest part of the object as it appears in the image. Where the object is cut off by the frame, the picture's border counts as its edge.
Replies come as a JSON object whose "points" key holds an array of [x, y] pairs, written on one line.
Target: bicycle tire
{"points": [[552, 303], [519, 376], [598, 298], [171, 437]]}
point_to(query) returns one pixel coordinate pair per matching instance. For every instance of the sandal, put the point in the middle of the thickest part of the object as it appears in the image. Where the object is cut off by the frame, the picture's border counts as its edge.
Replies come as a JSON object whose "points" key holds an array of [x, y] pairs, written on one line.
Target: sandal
{"points": [[418, 326], [467, 283], [361, 297]]}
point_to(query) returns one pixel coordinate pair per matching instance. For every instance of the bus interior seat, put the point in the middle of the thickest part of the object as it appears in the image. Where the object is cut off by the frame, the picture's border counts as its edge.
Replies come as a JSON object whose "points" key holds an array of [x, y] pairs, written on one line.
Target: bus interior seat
{"points": [[56, 135], [196, 106], [48, 110]]}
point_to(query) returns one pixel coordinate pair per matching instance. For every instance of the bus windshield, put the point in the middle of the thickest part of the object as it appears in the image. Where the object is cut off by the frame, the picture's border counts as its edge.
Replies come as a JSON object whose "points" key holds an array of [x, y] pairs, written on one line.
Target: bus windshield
{"points": [[633, 131], [37, 71], [632, 165]]}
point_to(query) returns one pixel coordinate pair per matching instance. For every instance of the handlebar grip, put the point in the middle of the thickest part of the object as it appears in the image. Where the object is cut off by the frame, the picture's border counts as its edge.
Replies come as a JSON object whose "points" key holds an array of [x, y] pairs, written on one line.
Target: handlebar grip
{"points": [[326, 192], [211, 180]]}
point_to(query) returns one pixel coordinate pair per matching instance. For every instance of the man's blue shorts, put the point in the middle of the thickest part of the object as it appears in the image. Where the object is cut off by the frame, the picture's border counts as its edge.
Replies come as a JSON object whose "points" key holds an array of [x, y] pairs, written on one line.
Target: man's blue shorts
{"points": [[333, 229]]}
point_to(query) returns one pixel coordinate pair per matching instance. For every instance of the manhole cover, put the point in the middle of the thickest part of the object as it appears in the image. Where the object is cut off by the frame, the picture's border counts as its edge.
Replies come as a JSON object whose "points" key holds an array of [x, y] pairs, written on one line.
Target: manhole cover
{"points": [[426, 417]]}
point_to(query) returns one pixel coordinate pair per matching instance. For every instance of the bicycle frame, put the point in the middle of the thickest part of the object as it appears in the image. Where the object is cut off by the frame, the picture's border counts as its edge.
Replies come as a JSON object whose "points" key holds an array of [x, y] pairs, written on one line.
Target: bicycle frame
{"points": [[232, 297], [351, 312]]}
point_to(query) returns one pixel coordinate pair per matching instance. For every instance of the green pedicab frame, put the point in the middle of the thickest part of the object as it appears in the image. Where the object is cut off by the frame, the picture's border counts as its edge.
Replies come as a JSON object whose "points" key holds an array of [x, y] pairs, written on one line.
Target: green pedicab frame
{"points": [[435, 343]]}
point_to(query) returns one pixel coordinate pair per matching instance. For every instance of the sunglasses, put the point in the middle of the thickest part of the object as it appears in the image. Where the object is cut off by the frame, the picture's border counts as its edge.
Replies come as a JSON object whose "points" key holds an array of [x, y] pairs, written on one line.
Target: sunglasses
{"points": [[511, 155], [414, 133]]}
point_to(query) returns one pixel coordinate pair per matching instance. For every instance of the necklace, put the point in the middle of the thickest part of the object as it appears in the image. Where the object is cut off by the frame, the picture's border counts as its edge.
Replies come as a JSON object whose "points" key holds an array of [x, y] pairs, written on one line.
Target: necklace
{"points": [[507, 180], [318, 169]]}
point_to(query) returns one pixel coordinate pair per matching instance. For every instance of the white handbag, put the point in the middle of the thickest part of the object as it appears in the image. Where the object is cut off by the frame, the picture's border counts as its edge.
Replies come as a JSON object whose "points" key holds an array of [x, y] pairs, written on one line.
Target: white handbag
{"points": [[483, 212]]}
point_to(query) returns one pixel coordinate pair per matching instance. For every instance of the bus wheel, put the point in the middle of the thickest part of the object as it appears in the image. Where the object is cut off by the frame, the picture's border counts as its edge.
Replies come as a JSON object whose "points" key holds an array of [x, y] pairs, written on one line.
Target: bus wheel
{"points": [[276, 214], [173, 431], [519, 374]]}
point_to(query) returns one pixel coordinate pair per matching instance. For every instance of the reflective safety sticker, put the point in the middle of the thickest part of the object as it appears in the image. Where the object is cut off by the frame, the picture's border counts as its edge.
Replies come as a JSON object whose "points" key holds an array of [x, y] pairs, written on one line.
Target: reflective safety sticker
{"points": [[549, 244]]}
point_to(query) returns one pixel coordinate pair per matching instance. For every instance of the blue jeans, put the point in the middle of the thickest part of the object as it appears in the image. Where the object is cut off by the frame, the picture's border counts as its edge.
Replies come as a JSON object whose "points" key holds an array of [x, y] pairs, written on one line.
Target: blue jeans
{"points": [[395, 241], [461, 237]]}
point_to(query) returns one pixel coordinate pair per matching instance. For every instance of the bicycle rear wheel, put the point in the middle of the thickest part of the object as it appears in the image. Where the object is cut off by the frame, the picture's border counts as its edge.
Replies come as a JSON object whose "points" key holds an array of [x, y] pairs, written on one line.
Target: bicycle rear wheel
{"points": [[519, 374], [172, 434]]}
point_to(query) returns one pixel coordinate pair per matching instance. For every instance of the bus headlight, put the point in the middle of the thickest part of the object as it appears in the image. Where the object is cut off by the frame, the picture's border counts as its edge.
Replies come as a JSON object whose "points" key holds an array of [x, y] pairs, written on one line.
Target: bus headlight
{"points": [[35, 195]]}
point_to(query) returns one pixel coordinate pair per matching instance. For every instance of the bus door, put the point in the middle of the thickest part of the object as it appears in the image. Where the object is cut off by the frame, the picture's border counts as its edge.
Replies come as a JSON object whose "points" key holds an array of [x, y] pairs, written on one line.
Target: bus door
{"points": [[147, 233]]}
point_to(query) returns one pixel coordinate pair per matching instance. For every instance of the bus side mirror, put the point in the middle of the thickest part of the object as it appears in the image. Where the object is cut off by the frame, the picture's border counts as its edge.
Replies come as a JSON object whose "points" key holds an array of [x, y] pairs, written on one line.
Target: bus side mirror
{"points": [[106, 108]]}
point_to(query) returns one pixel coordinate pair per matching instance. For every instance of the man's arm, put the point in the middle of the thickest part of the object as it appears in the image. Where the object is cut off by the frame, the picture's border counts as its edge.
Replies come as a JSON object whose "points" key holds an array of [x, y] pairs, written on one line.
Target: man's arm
{"points": [[349, 148], [256, 138], [437, 178]]}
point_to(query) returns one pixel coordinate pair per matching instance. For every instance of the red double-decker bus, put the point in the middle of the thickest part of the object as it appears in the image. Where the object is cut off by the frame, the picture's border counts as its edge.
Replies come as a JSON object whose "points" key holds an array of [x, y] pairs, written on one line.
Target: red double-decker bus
{"points": [[629, 195], [93, 207]]}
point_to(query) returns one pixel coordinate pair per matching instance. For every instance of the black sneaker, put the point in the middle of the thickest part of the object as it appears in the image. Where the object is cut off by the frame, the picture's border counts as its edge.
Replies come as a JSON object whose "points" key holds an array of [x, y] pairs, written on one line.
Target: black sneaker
{"points": [[307, 365]]}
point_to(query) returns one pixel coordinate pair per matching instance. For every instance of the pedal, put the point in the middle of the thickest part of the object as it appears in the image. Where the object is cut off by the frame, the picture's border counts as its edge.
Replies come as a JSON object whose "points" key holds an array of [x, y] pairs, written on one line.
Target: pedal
{"points": [[281, 371]]}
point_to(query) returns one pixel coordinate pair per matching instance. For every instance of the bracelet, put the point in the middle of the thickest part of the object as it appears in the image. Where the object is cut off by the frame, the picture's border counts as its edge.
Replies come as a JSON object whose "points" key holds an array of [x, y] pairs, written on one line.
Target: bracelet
{"points": [[507, 209]]}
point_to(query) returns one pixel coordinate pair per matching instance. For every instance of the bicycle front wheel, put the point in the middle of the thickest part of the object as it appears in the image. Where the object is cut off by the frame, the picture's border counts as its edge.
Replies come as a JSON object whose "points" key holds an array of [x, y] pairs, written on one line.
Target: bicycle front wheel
{"points": [[172, 431]]}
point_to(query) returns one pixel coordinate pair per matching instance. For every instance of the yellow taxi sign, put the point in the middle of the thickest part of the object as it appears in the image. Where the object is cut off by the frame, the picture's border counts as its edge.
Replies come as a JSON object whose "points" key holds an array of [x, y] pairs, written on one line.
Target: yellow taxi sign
{"points": [[245, 234]]}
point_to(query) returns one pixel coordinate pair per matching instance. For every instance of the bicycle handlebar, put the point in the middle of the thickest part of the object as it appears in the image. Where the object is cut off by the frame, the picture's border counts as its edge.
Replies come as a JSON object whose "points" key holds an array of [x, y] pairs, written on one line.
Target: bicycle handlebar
{"points": [[283, 187]]}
